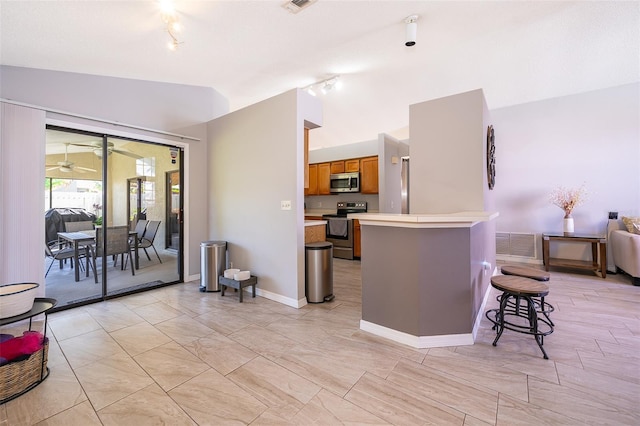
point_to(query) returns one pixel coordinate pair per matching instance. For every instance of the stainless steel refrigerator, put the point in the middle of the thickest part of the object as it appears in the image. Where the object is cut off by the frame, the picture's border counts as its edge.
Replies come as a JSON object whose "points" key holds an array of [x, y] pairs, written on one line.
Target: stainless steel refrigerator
{"points": [[404, 183]]}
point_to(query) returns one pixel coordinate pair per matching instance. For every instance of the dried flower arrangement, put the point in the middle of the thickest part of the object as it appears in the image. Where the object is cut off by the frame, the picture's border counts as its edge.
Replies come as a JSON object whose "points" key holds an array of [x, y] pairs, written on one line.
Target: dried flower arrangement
{"points": [[568, 199]]}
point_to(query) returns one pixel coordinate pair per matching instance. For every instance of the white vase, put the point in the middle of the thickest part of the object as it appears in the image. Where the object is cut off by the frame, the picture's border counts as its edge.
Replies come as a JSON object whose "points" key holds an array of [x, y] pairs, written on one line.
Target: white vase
{"points": [[568, 225]]}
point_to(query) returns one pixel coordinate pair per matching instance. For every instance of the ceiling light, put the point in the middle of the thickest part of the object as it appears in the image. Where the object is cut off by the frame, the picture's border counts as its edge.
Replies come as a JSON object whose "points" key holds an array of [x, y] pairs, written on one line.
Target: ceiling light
{"points": [[173, 43], [412, 28], [325, 85], [295, 6], [170, 18], [166, 7]]}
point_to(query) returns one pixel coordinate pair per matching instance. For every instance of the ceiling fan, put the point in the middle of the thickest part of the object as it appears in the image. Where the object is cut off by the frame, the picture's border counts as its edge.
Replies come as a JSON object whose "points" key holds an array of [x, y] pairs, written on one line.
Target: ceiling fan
{"points": [[96, 147], [67, 166]]}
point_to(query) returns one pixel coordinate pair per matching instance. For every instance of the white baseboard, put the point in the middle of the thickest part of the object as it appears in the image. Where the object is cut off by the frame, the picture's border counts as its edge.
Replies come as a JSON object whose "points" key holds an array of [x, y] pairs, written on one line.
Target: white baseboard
{"points": [[194, 277], [517, 259], [278, 297], [419, 342], [480, 313]]}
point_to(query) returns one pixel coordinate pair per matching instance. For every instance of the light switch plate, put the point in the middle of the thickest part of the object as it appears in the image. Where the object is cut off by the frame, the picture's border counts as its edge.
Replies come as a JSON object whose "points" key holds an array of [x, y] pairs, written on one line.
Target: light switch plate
{"points": [[285, 205]]}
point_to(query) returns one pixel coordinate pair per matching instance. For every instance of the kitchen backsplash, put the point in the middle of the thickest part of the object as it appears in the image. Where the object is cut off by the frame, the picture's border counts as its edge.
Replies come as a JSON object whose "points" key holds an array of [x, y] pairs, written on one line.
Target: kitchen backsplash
{"points": [[329, 202]]}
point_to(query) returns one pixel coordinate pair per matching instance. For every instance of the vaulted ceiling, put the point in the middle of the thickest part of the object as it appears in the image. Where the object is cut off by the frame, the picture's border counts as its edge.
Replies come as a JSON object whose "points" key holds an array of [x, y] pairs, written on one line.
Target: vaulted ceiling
{"points": [[516, 51]]}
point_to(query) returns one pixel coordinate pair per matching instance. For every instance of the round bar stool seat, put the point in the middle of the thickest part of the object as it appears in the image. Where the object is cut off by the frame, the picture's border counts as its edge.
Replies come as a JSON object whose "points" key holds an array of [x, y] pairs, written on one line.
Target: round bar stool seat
{"points": [[534, 274], [523, 271], [519, 286], [518, 311]]}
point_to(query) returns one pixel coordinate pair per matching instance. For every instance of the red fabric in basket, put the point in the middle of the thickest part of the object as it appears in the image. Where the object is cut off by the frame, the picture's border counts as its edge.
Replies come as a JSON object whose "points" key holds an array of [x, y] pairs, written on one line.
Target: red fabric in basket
{"points": [[28, 343]]}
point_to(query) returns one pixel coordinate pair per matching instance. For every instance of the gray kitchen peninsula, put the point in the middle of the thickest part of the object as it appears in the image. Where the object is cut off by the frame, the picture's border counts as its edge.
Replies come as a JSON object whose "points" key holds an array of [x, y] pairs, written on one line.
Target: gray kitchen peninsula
{"points": [[426, 277]]}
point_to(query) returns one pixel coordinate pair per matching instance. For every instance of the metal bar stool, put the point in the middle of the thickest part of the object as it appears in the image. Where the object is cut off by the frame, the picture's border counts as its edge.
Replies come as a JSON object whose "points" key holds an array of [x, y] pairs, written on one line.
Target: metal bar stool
{"points": [[518, 312], [534, 274]]}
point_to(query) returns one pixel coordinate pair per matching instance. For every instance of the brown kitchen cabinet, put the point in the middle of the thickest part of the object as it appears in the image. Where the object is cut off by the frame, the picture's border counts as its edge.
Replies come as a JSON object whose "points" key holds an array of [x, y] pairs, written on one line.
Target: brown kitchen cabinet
{"points": [[352, 165], [306, 159], [320, 175], [314, 234], [357, 248], [312, 188], [337, 167], [369, 175], [324, 176]]}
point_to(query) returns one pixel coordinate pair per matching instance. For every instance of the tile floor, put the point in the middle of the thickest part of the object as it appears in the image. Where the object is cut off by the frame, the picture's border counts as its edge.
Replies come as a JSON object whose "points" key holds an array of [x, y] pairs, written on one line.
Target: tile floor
{"points": [[176, 356], [61, 285]]}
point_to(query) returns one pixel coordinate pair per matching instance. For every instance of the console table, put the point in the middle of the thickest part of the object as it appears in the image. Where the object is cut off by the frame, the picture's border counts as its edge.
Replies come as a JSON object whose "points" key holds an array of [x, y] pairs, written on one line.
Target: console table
{"points": [[598, 252]]}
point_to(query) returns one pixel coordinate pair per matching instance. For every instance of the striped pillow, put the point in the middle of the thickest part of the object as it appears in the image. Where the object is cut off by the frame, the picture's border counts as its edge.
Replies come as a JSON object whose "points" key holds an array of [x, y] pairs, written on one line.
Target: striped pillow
{"points": [[629, 222]]}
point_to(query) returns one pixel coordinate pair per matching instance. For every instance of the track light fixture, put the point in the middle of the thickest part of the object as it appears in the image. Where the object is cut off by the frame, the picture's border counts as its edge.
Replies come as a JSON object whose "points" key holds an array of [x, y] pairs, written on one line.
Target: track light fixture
{"points": [[412, 28], [325, 85], [170, 18]]}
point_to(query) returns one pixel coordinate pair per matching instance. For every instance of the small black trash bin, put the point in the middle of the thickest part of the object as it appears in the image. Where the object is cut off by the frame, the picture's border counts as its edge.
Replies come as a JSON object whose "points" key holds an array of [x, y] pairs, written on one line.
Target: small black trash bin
{"points": [[319, 272]]}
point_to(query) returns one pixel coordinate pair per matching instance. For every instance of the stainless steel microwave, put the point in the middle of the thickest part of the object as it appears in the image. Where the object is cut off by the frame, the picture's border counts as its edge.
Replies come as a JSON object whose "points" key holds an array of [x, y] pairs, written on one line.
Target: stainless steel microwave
{"points": [[345, 182]]}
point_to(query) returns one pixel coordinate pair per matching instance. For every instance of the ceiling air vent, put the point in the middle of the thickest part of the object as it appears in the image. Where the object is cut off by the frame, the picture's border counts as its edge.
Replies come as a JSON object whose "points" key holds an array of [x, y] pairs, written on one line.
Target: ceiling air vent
{"points": [[295, 6]]}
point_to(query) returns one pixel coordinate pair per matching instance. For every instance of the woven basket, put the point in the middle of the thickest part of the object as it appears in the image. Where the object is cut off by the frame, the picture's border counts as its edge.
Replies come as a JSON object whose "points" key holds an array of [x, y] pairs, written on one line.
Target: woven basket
{"points": [[16, 299], [16, 377]]}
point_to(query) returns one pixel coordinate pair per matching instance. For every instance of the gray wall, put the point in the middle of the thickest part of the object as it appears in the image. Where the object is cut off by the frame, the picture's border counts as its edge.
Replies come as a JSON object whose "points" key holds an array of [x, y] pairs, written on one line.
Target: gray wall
{"points": [[417, 282], [391, 150], [343, 152], [448, 173], [448, 142], [160, 106], [256, 161], [591, 138]]}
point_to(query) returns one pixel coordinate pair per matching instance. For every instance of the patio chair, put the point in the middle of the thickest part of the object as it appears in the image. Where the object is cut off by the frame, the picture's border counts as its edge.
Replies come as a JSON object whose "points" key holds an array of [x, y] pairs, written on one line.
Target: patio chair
{"points": [[147, 239], [117, 244], [84, 225], [141, 227], [58, 251]]}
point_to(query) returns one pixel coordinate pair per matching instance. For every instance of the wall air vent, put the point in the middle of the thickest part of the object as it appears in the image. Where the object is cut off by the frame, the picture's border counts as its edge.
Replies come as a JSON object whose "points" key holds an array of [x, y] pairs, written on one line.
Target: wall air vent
{"points": [[295, 6], [516, 244]]}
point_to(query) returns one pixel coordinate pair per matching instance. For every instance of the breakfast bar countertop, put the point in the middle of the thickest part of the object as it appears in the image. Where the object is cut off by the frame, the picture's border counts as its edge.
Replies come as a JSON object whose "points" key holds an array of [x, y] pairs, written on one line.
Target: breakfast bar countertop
{"points": [[425, 220], [314, 222]]}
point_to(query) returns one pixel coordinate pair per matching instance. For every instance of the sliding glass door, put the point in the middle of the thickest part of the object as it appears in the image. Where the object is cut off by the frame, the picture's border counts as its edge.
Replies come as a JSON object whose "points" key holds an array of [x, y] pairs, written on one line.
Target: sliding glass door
{"points": [[116, 188]]}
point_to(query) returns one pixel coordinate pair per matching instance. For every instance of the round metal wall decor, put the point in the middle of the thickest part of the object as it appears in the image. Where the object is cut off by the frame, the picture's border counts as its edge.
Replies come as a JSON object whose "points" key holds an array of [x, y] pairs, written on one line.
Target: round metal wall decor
{"points": [[491, 158]]}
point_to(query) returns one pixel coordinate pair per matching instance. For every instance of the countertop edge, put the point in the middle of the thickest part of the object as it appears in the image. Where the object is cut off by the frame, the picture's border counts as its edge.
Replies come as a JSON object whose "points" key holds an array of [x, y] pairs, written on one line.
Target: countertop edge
{"points": [[315, 222], [437, 220]]}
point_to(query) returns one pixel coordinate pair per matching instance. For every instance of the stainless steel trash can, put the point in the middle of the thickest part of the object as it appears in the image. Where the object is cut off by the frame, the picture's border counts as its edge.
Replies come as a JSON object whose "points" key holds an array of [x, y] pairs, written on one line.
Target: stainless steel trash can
{"points": [[319, 272], [213, 262]]}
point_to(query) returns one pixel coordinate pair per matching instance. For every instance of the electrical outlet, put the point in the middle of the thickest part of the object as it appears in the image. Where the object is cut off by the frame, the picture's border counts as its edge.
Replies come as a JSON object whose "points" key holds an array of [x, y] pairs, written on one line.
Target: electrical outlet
{"points": [[230, 265], [285, 205]]}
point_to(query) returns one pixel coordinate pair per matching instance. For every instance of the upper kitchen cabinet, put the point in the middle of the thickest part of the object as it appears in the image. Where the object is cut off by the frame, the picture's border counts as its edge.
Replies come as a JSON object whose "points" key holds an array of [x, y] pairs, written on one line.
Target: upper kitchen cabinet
{"points": [[337, 167], [324, 179], [312, 186], [369, 175], [352, 165]]}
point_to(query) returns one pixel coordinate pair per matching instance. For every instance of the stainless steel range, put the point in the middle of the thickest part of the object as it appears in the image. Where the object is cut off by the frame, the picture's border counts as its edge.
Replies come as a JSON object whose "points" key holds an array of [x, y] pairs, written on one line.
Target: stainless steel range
{"points": [[340, 228]]}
